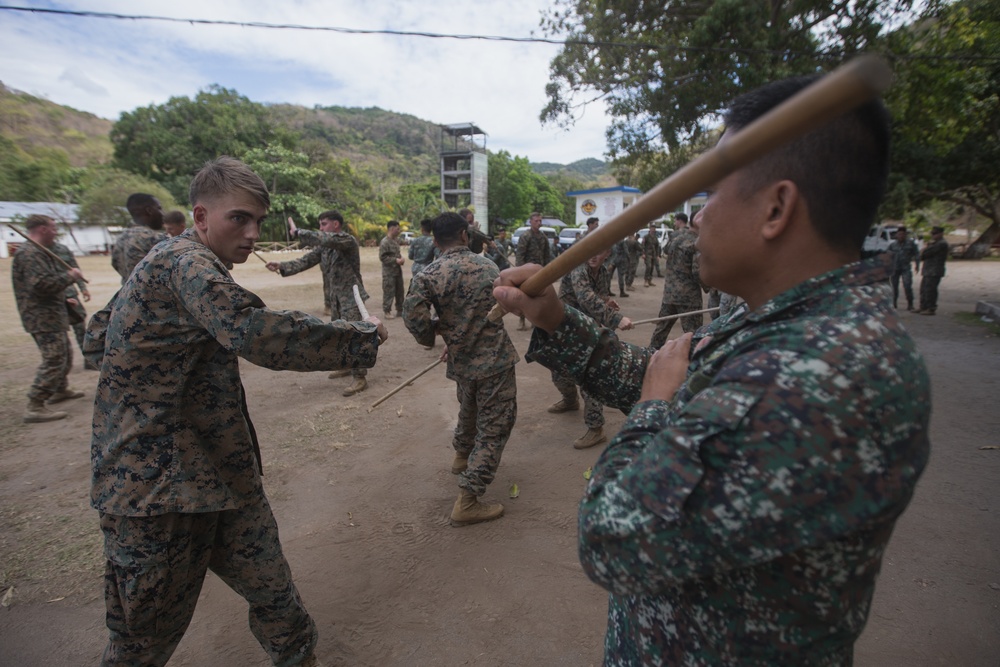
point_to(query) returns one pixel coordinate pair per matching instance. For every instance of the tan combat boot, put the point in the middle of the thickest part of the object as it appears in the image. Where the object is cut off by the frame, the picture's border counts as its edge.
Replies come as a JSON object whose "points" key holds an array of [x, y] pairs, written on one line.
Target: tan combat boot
{"points": [[565, 404], [360, 384], [38, 413], [593, 437], [459, 464], [338, 374], [64, 395], [469, 510]]}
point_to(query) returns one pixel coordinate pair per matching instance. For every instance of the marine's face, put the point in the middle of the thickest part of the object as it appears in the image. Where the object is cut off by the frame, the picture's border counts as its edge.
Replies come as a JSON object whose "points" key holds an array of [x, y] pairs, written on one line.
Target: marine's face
{"points": [[598, 259], [154, 212], [174, 228], [46, 234], [329, 225], [536, 223], [230, 225]]}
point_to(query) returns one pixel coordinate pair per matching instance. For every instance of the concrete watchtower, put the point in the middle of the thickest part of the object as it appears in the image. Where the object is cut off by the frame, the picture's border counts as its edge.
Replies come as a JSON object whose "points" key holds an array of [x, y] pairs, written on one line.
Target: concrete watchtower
{"points": [[464, 182]]}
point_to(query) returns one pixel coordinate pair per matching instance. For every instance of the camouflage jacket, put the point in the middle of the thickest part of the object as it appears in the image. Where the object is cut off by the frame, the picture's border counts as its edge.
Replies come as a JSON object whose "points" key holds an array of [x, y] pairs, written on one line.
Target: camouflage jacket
{"points": [[66, 255], [619, 253], [533, 248], [934, 256], [131, 246], [459, 287], [634, 249], [40, 284], [650, 246], [744, 522], [421, 250], [681, 283], [339, 259], [388, 253], [588, 291], [171, 432], [903, 255]]}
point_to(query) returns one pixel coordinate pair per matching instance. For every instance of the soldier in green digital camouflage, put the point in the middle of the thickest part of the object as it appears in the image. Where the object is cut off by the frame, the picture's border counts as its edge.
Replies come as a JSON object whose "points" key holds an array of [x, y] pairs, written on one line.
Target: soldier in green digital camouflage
{"points": [[391, 257], [40, 284], [681, 286], [176, 464], [634, 253], [586, 288], [650, 250], [338, 257], [457, 287], [77, 313], [740, 515], [138, 238], [421, 250]]}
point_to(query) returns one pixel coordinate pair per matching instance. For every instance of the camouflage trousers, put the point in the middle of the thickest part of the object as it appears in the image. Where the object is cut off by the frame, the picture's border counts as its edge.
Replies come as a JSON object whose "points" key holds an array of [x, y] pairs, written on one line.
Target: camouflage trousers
{"points": [[593, 410], [392, 289], [929, 292], [622, 270], [633, 267], [688, 323], [155, 569], [57, 360], [343, 307], [907, 278], [649, 268], [487, 410]]}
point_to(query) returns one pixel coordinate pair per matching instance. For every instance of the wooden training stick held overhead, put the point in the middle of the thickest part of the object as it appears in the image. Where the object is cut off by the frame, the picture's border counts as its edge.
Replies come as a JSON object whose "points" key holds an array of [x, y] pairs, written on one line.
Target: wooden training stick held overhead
{"points": [[840, 91], [45, 250]]}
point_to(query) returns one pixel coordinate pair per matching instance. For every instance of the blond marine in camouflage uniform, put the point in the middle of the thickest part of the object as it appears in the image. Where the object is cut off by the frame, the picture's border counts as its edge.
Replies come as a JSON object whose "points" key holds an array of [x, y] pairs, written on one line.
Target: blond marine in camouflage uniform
{"points": [[176, 464], [392, 261], [140, 237], [78, 318], [337, 254], [40, 283], [587, 288], [480, 356]]}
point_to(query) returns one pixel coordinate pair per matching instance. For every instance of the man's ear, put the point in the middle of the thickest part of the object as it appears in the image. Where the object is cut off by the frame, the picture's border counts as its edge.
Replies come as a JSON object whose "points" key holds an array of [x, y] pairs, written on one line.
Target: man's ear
{"points": [[200, 215], [782, 200]]}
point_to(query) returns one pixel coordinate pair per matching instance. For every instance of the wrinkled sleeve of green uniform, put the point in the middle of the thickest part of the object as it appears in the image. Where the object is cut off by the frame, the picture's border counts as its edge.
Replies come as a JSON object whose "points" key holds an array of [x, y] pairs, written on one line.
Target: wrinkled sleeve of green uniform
{"points": [[417, 311], [306, 261], [280, 340], [590, 301], [42, 276]]}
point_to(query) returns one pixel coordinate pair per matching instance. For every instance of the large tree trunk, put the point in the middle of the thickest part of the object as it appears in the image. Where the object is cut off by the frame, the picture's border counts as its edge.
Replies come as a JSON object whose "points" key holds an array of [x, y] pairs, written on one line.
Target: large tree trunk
{"points": [[981, 246]]}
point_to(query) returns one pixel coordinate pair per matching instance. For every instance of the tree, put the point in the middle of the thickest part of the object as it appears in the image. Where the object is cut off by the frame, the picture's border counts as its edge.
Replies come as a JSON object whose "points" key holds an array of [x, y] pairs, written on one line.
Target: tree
{"points": [[515, 190], [169, 143], [946, 114], [105, 191], [292, 184], [415, 201], [674, 64]]}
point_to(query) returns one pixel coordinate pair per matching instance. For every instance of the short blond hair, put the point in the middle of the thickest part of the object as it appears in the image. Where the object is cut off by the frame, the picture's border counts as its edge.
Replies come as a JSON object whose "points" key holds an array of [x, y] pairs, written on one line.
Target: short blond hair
{"points": [[36, 220], [225, 175]]}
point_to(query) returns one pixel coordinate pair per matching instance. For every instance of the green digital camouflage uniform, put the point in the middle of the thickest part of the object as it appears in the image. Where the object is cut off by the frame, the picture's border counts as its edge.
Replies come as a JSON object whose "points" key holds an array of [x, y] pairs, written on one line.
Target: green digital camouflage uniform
{"points": [[620, 262], [744, 522], [392, 275], [681, 287], [650, 248], [903, 255], [934, 257], [340, 261], [176, 465], [421, 253], [481, 358], [40, 284], [533, 248], [131, 246], [634, 252], [79, 327], [587, 291]]}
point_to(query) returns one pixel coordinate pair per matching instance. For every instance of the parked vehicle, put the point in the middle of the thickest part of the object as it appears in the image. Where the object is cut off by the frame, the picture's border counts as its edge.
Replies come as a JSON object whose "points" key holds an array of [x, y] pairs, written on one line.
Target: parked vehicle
{"points": [[878, 239], [406, 237], [569, 235], [662, 234]]}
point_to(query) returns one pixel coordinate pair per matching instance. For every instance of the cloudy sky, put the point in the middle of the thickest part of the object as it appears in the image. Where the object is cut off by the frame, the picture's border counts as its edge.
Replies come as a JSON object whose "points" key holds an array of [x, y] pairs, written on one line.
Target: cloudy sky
{"points": [[109, 66]]}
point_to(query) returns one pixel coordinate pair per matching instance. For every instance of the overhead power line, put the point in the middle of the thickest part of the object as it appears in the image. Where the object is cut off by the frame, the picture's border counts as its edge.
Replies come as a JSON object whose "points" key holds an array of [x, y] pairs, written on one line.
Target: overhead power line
{"points": [[644, 46]]}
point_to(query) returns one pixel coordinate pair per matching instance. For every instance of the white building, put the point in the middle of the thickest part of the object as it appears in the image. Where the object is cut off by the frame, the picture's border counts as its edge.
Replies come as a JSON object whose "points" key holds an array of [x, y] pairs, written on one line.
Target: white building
{"points": [[606, 203], [82, 239]]}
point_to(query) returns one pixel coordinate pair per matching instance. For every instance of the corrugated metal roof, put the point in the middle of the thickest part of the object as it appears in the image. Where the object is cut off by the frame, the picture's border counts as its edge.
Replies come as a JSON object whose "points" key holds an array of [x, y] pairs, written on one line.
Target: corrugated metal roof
{"points": [[10, 210]]}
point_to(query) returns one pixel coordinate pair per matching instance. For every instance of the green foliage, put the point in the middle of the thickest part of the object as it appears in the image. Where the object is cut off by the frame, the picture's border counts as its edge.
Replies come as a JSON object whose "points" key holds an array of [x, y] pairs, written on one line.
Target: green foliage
{"points": [[516, 190], [26, 178], [291, 182], [168, 143], [415, 201], [685, 59], [105, 191]]}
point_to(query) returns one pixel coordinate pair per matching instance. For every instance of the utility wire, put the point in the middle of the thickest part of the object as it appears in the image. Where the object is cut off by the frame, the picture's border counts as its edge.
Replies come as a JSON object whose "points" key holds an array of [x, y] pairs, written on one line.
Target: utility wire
{"points": [[644, 46]]}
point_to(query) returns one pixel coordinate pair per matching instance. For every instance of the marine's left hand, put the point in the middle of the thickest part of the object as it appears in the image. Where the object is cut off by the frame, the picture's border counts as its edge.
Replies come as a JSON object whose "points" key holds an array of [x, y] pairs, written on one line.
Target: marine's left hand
{"points": [[667, 370]]}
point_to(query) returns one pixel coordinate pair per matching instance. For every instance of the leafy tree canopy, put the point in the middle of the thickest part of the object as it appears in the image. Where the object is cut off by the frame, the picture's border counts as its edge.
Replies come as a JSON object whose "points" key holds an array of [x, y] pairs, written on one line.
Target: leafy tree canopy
{"points": [[515, 190], [105, 191]]}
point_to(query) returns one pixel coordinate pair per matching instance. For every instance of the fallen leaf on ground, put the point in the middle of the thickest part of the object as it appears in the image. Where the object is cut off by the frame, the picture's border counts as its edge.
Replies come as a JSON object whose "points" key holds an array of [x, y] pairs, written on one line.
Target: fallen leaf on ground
{"points": [[990, 447], [588, 472], [7, 597], [514, 491]]}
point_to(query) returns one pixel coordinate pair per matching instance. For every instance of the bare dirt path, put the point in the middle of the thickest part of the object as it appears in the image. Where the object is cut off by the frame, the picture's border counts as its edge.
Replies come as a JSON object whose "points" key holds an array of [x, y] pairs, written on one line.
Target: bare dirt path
{"points": [[362, 502]]}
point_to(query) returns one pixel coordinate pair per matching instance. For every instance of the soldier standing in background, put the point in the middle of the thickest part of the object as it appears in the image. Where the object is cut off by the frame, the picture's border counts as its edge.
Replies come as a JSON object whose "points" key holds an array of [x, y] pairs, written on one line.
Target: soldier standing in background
{"points": [[634, 253], [681, 287], [174, 223], [481, 360], [77, 313], [933, 256], [533, 248], [649, 251], [337, 254], [139, 238], [421, 250], [620, 262], [40, 285], [392, 261]]}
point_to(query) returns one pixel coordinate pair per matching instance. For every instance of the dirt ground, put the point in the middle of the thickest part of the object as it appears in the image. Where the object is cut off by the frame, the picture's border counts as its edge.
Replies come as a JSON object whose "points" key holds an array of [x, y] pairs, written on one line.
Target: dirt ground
{"points": [[362, 501]]}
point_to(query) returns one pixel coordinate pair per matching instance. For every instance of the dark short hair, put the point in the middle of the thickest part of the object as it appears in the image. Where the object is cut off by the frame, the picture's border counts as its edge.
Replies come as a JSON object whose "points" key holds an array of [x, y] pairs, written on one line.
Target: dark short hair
{"points": [[331, 215], [683, 217], [225, 175], [426, 225], [174, 217], [900, 229], [391, 224], [937, 230], [592, 221], [840, 168], [464, 212], [36, 220], [448, 226], [138, 201]]}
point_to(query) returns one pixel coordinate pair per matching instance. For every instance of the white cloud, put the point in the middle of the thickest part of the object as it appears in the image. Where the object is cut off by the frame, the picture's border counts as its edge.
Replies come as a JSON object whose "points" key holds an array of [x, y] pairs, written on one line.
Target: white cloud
{"points": [[498, 85]]}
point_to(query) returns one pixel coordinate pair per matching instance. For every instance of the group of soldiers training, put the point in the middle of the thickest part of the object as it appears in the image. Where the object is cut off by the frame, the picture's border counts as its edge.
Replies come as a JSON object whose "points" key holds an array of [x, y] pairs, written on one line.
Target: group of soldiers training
{"points": [[703, 518]]}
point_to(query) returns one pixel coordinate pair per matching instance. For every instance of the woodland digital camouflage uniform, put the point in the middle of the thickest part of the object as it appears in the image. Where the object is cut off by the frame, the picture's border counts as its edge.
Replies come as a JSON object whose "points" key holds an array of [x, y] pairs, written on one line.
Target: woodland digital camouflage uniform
{"points": [[481, 358], [903, 255], [79, 327], [744, 522], [649, 251], [40, 291], [392, 274], [634, 252], [533, 248], [619, 261], [131, 246], [340, 261], [175, 455], [587, 291], [421, 253], [681, 286], [934, 257]]}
